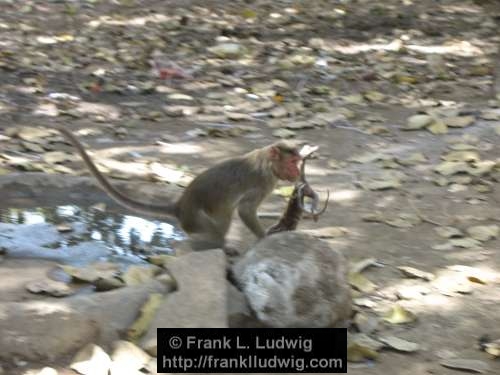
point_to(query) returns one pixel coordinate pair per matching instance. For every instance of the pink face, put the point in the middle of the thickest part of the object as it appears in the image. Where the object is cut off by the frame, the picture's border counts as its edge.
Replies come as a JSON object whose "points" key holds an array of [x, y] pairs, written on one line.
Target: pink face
{"points": [[285, 164]]}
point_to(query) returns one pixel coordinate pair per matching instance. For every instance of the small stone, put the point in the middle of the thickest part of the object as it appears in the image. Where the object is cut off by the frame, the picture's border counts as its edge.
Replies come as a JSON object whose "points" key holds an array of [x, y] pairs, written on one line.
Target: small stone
{"points": [[91, 360]]}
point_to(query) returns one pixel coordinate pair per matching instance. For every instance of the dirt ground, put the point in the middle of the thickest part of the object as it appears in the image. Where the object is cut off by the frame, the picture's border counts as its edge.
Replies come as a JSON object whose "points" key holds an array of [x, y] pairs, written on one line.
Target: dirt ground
{"points": [[367, 75]]}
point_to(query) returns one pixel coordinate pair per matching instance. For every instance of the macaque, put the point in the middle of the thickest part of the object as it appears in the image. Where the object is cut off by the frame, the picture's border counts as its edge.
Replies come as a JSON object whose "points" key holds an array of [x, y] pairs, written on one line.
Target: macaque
{"points": [[206, 207], [295, 208]]}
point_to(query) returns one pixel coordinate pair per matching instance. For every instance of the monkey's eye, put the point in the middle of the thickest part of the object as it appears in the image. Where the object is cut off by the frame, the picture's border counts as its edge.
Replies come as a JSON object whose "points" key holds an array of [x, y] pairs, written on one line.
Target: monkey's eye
{"points": [[290, 152]]}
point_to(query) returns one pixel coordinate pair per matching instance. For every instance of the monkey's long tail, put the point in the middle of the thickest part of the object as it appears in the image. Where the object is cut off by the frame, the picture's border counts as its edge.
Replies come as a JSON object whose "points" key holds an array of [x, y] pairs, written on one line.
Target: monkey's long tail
{"points": [[159, 211]]}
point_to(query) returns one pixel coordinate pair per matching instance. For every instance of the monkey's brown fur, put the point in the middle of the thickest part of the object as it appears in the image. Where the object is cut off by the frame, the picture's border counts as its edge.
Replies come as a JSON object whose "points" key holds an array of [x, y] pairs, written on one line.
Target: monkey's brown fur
{"points": [[206, 207]]}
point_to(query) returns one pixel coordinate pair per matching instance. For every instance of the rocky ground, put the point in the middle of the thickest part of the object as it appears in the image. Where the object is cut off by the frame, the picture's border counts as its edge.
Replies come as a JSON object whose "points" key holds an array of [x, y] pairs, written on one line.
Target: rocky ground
{"points": [[401, 96]]}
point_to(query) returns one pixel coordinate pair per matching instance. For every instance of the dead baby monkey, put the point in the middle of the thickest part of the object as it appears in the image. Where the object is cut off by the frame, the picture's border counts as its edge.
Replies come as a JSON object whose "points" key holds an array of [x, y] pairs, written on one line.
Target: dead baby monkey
{"points": [[206, 207]]}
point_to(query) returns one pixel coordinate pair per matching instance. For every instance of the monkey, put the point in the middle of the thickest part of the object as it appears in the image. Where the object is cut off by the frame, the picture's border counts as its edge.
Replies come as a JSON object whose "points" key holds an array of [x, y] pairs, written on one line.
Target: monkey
{"points": [[206, 207]]}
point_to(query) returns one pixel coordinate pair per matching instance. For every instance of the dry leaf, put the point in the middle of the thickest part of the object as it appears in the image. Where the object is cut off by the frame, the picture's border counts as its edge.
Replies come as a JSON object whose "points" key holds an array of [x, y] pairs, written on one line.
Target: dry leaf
{"points": [[361, 283], [472, 365], [399, 344], [327, 232], [92, 272], [136, 275], [147, 313], [449, 232], [399, 315], [358, 353], [438, 127], [362, 265], [284, 191], [50, 287], [418, 122], [483, 232], [416, 273], [459, 121]]}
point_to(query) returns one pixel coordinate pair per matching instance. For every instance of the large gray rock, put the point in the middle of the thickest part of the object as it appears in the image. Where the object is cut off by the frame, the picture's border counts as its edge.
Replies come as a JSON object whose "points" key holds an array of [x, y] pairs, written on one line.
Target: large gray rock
{"points": [[292, 279], [201, 298], [42, 330], [238, 311]]}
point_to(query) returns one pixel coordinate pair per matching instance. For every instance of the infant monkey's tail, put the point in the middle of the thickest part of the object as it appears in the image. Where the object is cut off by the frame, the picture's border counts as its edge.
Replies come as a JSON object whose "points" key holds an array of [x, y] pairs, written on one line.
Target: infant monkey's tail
{"points": [[159, 211]]}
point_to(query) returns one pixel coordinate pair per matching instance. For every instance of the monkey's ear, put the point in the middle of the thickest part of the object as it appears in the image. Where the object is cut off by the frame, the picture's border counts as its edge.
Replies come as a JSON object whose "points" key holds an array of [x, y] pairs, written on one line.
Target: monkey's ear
{"points": [[274, 152]]}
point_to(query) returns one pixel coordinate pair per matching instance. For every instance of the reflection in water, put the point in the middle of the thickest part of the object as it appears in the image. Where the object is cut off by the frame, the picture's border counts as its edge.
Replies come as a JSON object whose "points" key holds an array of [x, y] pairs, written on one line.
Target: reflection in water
{"points": [[124, 234]]}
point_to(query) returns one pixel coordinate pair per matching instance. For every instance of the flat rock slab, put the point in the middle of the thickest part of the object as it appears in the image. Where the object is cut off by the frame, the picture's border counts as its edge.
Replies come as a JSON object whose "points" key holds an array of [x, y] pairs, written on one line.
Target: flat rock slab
{"points": [[40, 330], [116, 310], [50, 328], [201, 298]]}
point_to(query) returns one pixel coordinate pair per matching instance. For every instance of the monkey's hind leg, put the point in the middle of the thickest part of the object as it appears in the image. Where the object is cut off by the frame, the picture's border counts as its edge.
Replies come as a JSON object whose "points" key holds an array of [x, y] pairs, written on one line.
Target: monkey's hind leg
{"points": [[207, 232]]}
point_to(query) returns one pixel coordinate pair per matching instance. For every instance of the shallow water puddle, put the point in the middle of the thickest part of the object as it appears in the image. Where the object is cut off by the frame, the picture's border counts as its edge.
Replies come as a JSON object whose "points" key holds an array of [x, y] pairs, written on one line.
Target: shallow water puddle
{"points": [[79, 235]]}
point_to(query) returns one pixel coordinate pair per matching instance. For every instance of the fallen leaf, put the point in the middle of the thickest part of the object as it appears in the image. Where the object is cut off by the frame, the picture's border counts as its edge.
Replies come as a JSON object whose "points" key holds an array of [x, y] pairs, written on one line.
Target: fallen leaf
{"points": [[417, 122], [376, 217], [160, 259], [404, 220], [284, 133], [473, 274], [167, 174], [50, 287], [361, 283], [146, 315], [366, 323], [483, 232], [354, 99], [438, 127], [465, 156], [482, 167], [399, 344], [413, 292], [449, 285], [278, 112], [365, 341], [490, 114], [300, 125], [399, 315], [328, 232], [369, 157], [362, 265], [106, 284], [228, 50], [92, 359], [390, 183], [462, 147], [92, 272], [57, 157], [412, 159], [284, 191], [136, 274], [449, 168], [472, 365], [466, 243], [416, 273], [374, 96], [64, 228], [449, 232], [492, 347], [359, 353], [459, 121]]}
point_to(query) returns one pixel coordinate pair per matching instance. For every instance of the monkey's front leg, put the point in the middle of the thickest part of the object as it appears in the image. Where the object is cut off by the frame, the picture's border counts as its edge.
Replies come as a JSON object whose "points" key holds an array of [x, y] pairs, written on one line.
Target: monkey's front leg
{"points": [[247, 211]]}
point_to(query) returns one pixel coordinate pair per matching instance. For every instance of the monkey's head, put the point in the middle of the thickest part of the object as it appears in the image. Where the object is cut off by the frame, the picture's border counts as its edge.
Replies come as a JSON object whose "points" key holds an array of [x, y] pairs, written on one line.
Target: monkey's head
{"points": [[285, 158]]}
